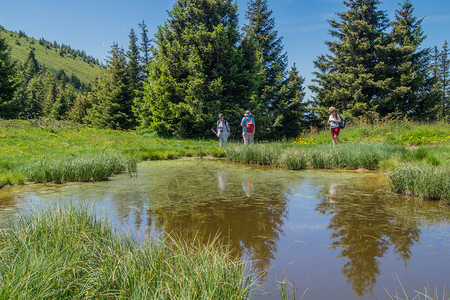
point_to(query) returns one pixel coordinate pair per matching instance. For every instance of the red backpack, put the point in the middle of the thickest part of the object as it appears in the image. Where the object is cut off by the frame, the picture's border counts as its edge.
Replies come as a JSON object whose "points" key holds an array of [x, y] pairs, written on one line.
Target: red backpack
{"points": [[250, 126]]}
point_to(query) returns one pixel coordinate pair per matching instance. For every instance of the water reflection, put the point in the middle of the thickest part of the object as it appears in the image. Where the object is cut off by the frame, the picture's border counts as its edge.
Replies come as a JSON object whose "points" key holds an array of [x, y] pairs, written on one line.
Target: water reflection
{"points": [[363, 229], [205, 200], [275, 218]]}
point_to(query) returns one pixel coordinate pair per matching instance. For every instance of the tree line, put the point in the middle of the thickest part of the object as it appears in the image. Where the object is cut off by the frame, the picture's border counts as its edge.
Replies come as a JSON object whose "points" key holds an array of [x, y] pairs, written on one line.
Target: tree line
{"points": [[200, 63]]}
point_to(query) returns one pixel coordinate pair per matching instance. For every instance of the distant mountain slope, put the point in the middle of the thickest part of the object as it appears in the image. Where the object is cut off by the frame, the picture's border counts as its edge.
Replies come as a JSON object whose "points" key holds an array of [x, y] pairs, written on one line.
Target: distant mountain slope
{"points": [[53, 56]]}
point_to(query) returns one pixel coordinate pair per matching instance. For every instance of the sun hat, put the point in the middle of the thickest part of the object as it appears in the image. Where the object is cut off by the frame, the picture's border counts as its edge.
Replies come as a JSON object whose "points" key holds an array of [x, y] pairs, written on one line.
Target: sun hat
{"points": [[247, 113]]}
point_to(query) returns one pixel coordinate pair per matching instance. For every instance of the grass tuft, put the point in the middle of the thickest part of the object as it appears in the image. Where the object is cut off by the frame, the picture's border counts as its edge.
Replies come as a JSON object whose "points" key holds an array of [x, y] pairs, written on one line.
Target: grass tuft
{"points": [[70, 254]]}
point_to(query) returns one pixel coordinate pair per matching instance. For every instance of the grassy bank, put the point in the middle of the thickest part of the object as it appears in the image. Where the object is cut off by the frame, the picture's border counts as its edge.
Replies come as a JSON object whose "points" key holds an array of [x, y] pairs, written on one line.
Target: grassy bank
{"points": [[69, 254], [415, 157], [45, 150]]}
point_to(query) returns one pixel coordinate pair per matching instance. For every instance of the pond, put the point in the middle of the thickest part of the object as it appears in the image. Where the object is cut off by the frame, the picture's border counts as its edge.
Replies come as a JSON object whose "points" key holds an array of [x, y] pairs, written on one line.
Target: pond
{"points": [[332, 234]]}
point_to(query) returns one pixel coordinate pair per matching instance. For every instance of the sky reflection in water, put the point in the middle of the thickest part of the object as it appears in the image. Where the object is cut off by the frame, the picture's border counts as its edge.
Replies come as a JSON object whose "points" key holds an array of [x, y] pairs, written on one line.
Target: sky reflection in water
{"points": [[335, 235]]}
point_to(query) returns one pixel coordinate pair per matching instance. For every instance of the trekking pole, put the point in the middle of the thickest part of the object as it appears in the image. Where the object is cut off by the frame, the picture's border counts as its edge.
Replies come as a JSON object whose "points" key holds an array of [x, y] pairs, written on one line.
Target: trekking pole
{"points": [[214, 132]]}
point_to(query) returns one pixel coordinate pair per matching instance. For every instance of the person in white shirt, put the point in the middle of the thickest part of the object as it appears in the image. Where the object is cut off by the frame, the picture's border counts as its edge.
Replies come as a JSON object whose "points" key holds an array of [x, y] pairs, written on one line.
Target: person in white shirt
{"points": [[334, 119], [223, 131]]}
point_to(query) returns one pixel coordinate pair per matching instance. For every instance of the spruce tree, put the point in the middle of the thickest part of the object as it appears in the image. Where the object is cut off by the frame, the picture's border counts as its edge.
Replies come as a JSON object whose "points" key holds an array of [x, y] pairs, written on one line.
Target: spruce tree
{"points": [[145, 44], [261, 30], [31, 66], [136, 74], [198, 70], [111, 97], [34, 100], [78, 111], [8, 84], [445, 78], [290, 109], [353, 77], [50, 95], [134, 69], [411, 88], [64, 100]]}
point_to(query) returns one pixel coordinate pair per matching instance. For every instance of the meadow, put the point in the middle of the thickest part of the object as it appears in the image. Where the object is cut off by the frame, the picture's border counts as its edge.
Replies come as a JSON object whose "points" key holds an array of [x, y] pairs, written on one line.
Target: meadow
{"points": [[50, 57], [415, 157]]}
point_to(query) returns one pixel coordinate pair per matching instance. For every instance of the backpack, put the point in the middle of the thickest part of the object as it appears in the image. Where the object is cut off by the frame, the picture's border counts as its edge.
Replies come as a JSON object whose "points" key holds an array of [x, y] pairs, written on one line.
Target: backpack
{"points": [[250, 126], [342, 124], [221, 128]]}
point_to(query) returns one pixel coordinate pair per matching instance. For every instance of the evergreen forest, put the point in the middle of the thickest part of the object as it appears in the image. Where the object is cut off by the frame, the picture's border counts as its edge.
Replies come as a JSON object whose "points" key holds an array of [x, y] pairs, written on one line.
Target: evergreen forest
{"points": [[202, 62]]}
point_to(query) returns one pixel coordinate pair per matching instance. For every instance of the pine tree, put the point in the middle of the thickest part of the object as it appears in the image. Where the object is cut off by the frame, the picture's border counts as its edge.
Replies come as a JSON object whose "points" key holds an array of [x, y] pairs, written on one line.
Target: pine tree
{"points": [[198, 70], [8, 85], [353, 77]]}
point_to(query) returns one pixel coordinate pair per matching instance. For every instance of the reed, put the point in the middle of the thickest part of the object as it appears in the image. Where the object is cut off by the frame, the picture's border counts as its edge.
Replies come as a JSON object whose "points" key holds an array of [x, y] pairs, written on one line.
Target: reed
{"points": [[423, 180], [88, 167], [70, 254], [293, 159], [320, 157], [260, 154]]}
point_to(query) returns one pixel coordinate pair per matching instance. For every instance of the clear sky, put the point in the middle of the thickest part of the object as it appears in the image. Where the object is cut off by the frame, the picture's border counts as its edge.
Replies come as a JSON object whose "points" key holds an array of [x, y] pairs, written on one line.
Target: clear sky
{"points": [[94, 25]]}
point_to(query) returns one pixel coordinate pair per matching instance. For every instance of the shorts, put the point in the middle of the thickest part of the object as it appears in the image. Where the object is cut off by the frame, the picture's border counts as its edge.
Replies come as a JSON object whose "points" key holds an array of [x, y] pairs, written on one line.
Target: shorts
{"points": [[335, 131]]}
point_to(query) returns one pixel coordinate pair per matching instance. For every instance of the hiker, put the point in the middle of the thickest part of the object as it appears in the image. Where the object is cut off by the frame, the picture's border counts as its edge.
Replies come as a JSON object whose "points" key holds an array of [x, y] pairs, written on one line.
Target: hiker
{"points": [[334, 119], [248, 128], [223, 131]]}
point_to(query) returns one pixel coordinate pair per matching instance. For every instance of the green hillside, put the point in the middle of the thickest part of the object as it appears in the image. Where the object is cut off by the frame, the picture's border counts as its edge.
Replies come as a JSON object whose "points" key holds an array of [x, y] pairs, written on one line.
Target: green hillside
{"points": [[53, 56]]}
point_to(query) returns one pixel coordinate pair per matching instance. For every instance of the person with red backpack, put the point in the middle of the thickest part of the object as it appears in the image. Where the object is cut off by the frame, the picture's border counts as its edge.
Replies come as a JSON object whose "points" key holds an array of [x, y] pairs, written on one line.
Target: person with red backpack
{"points": [[248, 128]]}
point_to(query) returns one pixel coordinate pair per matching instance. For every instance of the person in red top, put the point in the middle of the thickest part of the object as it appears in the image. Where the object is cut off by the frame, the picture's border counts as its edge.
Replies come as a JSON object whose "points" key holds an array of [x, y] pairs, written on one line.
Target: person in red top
{"points": [[248, 128]]}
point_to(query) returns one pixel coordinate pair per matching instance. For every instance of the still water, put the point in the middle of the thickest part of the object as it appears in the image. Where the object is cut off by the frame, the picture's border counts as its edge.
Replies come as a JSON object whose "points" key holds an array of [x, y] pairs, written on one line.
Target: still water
{"points": [[333, 234]]}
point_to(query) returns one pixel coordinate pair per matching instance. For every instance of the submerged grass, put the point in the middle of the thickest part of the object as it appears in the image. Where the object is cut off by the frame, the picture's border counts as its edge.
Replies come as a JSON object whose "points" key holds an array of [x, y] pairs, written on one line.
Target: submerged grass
{"points": [[427, 294], [69, 254]]}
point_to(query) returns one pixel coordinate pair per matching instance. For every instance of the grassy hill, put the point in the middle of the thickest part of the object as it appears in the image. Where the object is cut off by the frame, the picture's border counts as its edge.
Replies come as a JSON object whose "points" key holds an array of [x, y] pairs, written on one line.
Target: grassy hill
{"points": [[51, 55]]}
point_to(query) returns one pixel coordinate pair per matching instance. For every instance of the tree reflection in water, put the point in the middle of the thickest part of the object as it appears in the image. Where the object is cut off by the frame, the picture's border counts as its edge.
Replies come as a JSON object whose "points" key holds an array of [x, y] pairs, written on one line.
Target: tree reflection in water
{"points": [[242, 206], [365, 225], [248, 207]]}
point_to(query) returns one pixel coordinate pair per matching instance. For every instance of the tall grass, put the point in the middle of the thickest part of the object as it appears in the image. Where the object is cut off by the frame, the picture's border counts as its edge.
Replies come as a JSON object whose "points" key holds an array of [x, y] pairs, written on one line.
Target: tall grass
{"points": [[421, 179], [261, 154], [88, 167], [321, 157], [45, 150], [69, 254], [413, 171]]}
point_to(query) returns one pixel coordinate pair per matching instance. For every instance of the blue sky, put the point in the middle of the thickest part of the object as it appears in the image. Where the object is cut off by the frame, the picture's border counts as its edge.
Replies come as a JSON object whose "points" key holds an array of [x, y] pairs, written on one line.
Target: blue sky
{"points": [[94, 25]]}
